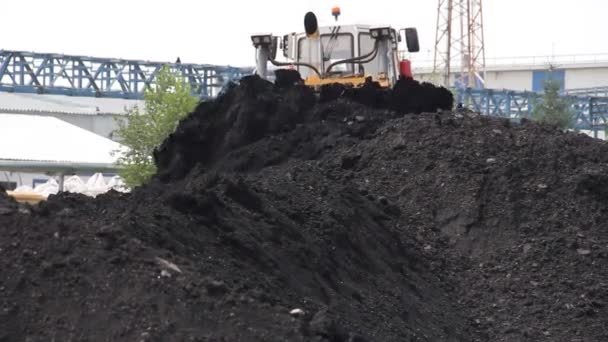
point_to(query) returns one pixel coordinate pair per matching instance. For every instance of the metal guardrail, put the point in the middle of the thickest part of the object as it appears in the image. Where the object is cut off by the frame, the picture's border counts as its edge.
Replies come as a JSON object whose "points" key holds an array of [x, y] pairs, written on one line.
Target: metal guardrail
{"points": [[593, 92], [424, 63], [557, 60], [44, 73]]}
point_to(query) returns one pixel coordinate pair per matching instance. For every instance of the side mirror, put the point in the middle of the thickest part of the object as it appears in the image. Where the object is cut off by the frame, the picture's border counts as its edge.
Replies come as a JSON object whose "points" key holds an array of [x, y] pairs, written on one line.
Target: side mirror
{"points": [[310, 24], [411, 39]]}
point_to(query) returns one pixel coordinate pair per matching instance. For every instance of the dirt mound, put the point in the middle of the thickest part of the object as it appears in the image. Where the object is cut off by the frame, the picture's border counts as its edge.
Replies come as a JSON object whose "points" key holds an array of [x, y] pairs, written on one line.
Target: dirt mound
{"points": [[286, 78], [7, 204], [246, 113], [278, 215], [256, 109], [220, 257], [407, 96]]}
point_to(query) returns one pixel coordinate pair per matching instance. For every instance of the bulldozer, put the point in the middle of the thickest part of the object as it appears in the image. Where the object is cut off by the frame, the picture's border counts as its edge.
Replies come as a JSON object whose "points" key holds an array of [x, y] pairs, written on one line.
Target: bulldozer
{"points": [[345, 54]]}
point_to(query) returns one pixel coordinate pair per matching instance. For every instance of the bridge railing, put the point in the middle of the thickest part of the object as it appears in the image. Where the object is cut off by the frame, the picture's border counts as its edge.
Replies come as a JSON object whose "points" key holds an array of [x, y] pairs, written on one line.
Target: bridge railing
{"points": [[424, 64], [102, 77], [556, 60], [593, 91]]}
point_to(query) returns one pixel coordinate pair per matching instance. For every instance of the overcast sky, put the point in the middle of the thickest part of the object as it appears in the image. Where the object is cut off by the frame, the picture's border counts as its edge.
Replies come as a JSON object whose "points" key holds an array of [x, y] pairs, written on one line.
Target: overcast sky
{"points": [[218, 32]]}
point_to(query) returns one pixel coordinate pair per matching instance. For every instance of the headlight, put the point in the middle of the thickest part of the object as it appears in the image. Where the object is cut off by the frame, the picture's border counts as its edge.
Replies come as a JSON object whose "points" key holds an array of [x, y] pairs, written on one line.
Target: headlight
{"points": [[261, 39], [380, 32]]}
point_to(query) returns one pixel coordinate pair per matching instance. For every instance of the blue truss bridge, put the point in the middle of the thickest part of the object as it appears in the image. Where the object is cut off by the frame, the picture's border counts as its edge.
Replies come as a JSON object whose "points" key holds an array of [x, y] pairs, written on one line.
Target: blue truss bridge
{"points": [[47, 73], [589, 105]]}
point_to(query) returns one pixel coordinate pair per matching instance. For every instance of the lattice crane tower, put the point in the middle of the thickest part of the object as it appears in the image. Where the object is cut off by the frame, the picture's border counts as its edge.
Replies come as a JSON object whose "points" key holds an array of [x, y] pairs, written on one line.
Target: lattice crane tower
{"points": [[459, 42]]}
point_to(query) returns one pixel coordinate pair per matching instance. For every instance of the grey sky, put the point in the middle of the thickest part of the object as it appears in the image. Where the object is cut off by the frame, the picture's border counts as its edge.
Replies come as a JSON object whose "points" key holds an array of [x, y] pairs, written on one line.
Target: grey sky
{"points": [[218, 32]]}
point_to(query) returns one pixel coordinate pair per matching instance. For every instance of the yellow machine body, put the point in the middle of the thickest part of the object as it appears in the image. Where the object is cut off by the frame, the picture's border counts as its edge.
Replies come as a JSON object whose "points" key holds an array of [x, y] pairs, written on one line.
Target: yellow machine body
{"points": [[355, 81], [26, 197], [345, 54], [335, 43]]}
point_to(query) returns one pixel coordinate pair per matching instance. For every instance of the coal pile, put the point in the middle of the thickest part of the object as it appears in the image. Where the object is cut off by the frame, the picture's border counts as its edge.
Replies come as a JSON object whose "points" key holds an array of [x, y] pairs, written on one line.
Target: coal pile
{"points": [[355, 215], [7, 204], [407, 96]]}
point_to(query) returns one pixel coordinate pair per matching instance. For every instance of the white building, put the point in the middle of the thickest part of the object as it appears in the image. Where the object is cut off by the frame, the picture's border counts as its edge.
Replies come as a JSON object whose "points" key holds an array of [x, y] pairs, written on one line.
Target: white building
{"points": [[97, 115], [35, 148]]}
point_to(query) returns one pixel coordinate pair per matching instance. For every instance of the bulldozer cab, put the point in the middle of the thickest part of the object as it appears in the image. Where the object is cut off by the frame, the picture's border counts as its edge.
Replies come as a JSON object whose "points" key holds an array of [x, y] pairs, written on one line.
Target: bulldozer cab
{"points": [[339, 43], [338, 54]]}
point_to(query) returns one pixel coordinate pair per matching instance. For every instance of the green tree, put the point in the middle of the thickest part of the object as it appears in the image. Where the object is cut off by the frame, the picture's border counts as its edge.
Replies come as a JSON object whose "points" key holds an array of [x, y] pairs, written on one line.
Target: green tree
{"points": [[166, 102], [553, 109]]}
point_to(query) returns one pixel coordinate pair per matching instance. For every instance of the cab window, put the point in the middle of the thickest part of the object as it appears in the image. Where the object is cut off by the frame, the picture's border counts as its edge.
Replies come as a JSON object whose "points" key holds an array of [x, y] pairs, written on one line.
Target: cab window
{"points": [[338, 47], [366, 45]]}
